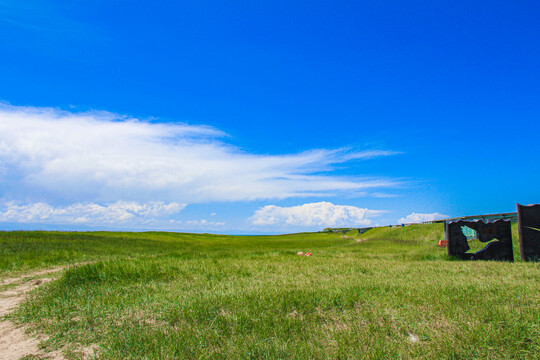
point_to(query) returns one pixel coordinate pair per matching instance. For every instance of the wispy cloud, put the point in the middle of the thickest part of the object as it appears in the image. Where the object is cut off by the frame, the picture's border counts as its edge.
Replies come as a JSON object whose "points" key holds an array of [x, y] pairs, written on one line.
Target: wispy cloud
{"points": [[54, 156], [320, 214], [418, 218], [193, 224]]}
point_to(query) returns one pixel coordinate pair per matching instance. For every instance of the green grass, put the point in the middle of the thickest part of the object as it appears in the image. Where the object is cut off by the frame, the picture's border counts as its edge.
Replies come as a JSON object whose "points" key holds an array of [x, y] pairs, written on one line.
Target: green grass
{"points": [[188, 296]]}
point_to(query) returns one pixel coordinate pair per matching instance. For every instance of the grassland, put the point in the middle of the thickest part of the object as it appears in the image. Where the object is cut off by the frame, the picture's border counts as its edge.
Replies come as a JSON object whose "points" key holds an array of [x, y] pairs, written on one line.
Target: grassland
{"points": [[388, 293]]}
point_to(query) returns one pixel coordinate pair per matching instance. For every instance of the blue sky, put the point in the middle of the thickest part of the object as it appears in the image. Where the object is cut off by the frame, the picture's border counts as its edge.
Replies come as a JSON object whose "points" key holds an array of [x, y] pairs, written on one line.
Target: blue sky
{"points": [[265, 117]]}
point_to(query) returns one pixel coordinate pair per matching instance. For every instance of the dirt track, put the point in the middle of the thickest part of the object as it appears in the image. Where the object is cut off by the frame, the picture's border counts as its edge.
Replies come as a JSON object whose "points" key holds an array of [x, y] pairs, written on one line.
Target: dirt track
{"points": [[14, 341]]}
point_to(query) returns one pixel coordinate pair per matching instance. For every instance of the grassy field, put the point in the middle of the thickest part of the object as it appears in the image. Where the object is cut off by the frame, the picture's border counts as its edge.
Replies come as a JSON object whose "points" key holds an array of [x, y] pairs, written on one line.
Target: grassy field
{"points": [[388, 293]]}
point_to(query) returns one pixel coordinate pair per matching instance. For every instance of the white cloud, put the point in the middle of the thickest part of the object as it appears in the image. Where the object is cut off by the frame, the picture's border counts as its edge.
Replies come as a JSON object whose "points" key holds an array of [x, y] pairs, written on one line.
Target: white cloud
{"points": [[418, 218], [321, 214], [54, 156], [380, 195], [119, 212], [198, 223]]}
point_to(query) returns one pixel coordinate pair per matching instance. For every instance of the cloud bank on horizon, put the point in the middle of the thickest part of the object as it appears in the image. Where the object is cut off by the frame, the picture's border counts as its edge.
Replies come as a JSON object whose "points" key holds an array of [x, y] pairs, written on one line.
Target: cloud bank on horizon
{"points": [[98, 167], [120, 212]]}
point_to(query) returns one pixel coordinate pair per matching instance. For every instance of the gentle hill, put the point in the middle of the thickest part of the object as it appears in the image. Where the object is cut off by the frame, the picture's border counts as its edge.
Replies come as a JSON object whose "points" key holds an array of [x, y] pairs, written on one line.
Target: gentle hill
{"points": [[388, 293]]}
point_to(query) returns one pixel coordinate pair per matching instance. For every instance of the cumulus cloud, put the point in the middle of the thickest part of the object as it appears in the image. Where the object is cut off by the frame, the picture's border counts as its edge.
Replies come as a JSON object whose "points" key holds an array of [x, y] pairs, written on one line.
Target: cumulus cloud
{"points": [[119, 212], [49, 155], [418, 218], [321, 214]]}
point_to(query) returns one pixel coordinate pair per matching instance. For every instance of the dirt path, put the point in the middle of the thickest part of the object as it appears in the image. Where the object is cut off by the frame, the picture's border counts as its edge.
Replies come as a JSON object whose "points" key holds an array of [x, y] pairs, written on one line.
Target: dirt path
{"points": [[16, 280], [14, 341]]}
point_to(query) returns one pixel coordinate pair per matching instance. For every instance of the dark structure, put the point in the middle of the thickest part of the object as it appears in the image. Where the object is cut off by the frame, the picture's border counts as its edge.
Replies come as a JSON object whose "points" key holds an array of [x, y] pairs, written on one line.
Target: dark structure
{"points": [[458, 244], [529, 232], [363, 230]]}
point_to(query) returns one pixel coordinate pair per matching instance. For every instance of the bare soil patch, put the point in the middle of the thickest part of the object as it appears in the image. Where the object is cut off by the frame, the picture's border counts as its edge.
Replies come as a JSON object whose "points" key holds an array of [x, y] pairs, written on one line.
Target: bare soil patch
{"points": [[15, 342]]}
